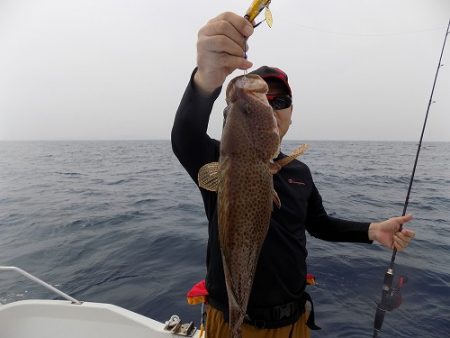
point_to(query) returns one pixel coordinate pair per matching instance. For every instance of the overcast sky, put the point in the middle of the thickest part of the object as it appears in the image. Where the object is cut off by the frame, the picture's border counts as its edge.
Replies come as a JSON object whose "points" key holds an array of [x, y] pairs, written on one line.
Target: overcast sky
{"points": [[116, 69]]}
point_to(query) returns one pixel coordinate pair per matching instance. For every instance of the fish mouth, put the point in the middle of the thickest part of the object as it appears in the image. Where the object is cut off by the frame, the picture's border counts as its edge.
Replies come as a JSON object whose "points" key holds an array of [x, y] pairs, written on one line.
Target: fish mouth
{"points": [[247, 85], [252, 83]]}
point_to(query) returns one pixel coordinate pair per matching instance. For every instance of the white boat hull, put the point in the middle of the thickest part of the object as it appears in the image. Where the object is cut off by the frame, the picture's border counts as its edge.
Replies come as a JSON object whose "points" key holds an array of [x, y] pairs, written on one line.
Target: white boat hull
{"points": [[62, 319]]}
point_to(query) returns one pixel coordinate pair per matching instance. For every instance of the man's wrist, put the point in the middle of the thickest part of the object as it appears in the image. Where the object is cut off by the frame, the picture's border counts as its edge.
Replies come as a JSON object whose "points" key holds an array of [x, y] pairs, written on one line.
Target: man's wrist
{"points": [[372, 232], [203, 85]]}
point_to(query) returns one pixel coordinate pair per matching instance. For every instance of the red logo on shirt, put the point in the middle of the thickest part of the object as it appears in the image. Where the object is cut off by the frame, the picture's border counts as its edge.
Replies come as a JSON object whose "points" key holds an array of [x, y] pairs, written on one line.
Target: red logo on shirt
{"points": [[292, 181]]}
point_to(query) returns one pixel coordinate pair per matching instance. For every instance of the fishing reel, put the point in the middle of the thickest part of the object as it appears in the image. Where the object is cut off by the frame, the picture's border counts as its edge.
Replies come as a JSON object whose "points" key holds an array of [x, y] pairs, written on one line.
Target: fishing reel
{"points": [[392, 299]]}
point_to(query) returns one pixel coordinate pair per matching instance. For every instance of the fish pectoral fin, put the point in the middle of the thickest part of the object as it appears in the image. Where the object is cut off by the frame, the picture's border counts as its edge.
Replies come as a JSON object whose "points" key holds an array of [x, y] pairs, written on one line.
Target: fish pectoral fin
{"points": [[208, 176], [276, 199], [274, 167], [300, 150]]}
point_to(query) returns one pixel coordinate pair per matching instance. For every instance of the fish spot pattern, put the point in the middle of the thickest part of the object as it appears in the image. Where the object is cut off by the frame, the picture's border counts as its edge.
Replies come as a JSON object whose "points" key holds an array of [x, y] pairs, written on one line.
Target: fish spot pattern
{"points": [[249, 141]]}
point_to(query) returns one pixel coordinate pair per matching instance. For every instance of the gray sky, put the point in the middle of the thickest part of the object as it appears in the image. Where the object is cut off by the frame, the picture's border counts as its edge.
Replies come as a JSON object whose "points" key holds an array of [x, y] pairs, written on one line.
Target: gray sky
{"points": [[104, 69]]}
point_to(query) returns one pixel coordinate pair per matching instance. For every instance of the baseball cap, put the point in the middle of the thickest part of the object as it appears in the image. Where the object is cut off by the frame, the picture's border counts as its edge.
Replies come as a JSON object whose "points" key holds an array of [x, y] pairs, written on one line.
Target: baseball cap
{"points": [[267, 72]]}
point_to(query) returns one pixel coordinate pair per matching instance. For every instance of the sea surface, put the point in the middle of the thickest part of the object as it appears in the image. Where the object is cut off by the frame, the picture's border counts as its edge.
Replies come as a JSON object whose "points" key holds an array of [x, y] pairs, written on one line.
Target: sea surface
{"points": [[121, 222]]}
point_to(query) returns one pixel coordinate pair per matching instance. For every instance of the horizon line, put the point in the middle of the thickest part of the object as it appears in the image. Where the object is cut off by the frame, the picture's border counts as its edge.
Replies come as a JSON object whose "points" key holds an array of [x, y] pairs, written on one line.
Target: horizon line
{"points": [[168, 139]]}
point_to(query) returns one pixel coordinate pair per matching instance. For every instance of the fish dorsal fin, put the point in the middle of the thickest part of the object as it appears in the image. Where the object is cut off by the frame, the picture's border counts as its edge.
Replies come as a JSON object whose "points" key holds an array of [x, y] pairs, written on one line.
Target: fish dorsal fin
{"points": [[300, 150], [208, 176]]}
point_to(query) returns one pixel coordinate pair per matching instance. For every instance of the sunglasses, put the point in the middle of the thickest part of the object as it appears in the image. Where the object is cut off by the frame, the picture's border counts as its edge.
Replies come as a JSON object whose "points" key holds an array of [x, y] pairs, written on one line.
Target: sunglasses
{"points": [[279, 102]]}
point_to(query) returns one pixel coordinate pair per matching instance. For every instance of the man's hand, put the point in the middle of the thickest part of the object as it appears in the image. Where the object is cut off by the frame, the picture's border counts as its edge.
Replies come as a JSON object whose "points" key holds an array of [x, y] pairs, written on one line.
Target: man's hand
{"points": [[221, 48], [387, 234]]}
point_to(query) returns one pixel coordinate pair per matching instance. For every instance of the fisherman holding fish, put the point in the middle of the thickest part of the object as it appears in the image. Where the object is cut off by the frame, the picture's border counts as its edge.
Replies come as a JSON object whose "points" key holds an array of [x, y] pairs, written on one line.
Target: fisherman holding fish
{"points": [[259, 202]]}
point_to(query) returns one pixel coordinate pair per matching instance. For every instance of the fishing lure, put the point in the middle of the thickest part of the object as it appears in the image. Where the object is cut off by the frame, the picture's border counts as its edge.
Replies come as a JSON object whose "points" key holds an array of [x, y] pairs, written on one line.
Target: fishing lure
{"points": [[255, 8], [253, 11]]}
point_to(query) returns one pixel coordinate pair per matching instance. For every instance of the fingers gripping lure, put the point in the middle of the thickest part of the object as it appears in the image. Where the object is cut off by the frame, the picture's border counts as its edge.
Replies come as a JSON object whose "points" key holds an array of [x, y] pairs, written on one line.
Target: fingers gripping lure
{"points": [[255, 8], [253, 11]]}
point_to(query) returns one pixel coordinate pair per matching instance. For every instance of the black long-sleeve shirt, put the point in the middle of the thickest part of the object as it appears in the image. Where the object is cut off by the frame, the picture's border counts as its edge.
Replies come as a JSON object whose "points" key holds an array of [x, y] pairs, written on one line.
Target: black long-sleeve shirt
{"points": [[281, 270]]}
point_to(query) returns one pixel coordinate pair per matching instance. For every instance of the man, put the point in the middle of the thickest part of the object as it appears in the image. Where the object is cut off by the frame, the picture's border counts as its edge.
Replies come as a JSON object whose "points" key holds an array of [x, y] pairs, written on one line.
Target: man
{"points": [[277, 303]]}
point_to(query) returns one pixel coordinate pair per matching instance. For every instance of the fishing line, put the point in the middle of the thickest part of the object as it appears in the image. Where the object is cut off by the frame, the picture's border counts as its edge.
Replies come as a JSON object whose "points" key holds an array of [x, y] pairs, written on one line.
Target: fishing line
{"points": [[326, 31], [388, 293]]}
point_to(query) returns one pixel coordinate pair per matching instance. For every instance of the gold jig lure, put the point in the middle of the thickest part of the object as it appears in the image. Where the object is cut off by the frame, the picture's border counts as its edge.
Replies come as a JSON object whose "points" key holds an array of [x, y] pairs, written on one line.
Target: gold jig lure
{"points": [[255, 8]]}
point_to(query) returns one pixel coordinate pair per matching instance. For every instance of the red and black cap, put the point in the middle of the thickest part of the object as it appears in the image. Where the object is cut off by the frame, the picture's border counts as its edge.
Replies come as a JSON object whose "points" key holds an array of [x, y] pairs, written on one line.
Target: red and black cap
{"points": [[267, 72]]}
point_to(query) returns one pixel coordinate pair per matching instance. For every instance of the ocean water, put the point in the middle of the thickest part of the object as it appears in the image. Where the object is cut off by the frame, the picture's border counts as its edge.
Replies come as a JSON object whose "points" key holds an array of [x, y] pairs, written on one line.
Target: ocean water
{"points": [[122, 223]]}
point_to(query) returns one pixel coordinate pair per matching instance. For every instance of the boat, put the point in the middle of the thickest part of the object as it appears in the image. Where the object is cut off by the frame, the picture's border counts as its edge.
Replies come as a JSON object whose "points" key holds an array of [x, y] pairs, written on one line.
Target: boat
{"points": [[71, 318]]}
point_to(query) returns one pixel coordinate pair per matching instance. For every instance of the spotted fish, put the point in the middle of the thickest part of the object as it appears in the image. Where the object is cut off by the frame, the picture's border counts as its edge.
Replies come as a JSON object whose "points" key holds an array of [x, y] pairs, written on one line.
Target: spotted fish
{"points": [[244, 184]]}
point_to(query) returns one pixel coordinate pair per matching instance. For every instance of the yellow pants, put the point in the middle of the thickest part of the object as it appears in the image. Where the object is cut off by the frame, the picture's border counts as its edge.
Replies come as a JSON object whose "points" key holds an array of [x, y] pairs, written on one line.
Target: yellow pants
{"points": [[216, 327]]}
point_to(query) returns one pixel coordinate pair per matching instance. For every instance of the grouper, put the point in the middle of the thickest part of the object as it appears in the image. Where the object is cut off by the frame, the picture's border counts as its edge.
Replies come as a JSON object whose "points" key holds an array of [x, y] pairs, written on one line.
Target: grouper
{"points": [[244, 184]]}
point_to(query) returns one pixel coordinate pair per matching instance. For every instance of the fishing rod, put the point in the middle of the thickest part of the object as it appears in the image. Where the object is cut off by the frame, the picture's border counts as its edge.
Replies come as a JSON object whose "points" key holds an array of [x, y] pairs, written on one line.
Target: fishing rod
{"points": [[390, 296]]}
